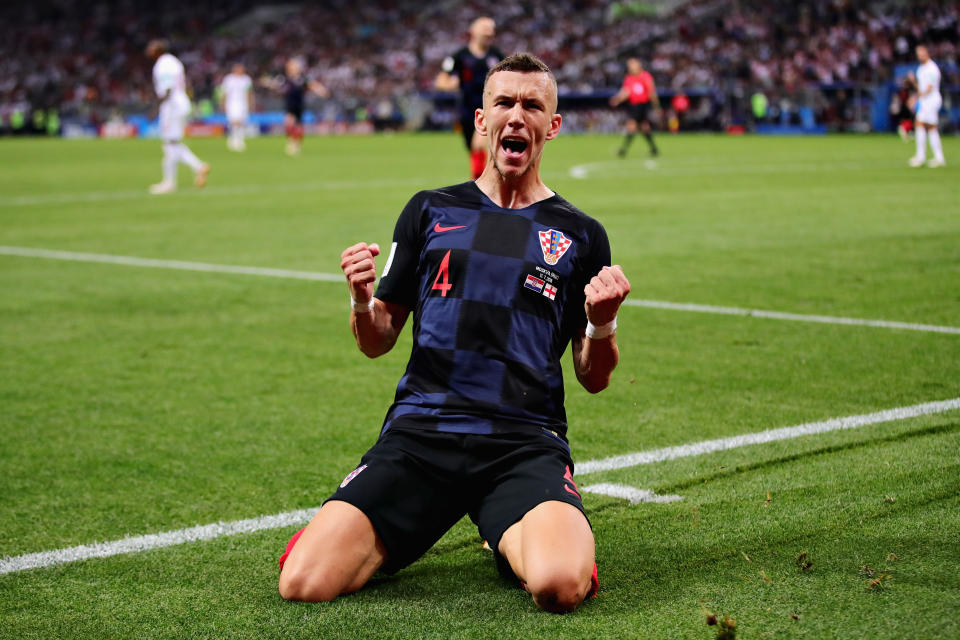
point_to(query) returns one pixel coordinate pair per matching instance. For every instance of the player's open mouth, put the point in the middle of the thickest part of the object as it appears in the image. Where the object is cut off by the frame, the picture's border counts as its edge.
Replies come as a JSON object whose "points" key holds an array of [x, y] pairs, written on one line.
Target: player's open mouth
{"points": [[513, 147]]}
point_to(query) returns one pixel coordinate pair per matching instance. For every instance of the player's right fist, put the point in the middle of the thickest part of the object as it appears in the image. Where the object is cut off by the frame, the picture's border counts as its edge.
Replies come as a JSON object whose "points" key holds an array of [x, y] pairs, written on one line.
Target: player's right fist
{"points": [[360, 266]]}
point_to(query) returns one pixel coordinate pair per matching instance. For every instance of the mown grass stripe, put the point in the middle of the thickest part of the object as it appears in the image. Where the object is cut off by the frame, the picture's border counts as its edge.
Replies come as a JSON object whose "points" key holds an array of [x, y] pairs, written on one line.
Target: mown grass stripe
{"points": [[216, 530]]}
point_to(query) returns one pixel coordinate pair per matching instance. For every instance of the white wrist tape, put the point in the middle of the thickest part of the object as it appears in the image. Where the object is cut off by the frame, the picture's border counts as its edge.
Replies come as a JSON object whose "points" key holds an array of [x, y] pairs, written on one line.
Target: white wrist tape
{"points": [[603, 330], [361, 307]]}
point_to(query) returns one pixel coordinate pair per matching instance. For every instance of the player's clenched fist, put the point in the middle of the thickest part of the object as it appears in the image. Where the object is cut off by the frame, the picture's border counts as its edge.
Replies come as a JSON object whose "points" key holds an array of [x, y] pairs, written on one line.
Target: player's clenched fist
{"points": [[604, 293], [360, 266]]}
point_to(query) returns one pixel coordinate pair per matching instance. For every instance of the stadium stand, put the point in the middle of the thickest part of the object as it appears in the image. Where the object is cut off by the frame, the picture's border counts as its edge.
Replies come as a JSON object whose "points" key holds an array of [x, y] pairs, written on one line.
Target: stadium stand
{"points": [[825, 62]]}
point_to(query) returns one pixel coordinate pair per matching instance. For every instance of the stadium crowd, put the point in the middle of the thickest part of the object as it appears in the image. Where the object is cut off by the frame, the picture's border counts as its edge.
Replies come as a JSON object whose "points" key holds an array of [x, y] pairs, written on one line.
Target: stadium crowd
{"points": [[86, 59]]}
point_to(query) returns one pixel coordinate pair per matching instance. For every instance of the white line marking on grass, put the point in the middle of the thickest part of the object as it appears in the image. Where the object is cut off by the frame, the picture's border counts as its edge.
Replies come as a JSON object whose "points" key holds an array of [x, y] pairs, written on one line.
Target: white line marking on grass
{"points": [[797, 317], [211, 531], [771, 435], [131, 261], [154, 541], [634, 495], [226, 190], [621, 168]]}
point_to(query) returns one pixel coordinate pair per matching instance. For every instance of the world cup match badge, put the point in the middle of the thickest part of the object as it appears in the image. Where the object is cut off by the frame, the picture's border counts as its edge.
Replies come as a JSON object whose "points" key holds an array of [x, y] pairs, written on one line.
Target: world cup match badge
{"points": [[554, 245], [353, 474]]}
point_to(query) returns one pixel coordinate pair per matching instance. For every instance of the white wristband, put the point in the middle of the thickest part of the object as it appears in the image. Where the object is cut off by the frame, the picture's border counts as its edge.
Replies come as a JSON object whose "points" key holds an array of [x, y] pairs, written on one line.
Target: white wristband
{"points": [[361, 307], [603, 330]]}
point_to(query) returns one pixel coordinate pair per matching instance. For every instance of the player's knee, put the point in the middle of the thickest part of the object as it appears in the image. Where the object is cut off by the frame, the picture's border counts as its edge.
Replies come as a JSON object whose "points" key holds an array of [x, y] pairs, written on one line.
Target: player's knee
{"points": [[558, 592], [299, 585]]}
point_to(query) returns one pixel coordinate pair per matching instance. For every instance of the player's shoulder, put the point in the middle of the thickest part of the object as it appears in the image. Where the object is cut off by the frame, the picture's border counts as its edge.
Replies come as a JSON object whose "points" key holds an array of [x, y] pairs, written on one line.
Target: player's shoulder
{"points": [[461, 53], [560, 211], [465, 194], [168, 59], [496, 53]]}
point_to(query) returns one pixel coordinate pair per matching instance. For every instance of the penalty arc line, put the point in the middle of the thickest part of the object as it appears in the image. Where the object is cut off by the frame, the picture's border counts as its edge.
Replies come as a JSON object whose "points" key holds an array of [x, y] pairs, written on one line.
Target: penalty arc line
{"points": [[131, 261], [210, 531]]}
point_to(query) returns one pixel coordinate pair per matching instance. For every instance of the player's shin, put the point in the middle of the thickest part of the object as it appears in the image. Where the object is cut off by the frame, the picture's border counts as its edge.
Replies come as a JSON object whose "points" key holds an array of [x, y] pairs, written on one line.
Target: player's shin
{"points": [[170, 157], [935, 145], [187, 157], [921, 141]]}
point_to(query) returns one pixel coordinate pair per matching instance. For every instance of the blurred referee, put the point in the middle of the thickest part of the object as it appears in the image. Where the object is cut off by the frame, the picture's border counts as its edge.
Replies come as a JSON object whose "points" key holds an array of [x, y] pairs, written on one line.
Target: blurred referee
{"points": [[639, 92]]}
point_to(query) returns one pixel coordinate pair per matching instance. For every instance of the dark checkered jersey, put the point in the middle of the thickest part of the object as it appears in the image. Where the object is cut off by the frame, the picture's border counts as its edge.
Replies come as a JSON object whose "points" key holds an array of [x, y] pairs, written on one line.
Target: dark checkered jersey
{"points": [[496, 295]]}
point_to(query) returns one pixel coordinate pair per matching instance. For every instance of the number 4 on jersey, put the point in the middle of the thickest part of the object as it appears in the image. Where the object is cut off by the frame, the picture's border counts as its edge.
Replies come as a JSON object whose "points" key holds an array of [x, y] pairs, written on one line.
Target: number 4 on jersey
{"points": [[443, 272]]}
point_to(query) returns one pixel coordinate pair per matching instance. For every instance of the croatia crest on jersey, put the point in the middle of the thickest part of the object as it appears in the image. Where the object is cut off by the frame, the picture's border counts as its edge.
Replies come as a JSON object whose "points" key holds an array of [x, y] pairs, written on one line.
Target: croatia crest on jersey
{"points": [[554, 245]]}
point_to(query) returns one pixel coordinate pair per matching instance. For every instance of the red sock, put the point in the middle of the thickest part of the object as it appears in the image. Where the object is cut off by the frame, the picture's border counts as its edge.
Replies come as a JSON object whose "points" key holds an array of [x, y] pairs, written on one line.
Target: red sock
{"points": [[298, 133], [288, 130], [478, 162], [290, 545]]}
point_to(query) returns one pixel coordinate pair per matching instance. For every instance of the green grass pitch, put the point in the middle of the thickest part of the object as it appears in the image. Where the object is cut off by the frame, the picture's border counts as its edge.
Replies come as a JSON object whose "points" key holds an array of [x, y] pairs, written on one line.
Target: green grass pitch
{"points": [[137, 401]]}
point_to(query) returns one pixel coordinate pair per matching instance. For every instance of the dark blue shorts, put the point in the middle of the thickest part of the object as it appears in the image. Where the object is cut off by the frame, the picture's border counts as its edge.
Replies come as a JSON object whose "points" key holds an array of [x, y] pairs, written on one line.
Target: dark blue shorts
{"points": [[414, 485]]}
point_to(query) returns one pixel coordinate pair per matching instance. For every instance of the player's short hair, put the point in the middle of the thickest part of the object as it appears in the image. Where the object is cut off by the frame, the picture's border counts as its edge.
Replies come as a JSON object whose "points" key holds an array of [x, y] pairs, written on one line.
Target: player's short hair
{"points": [[522, 63], [158, 44]]}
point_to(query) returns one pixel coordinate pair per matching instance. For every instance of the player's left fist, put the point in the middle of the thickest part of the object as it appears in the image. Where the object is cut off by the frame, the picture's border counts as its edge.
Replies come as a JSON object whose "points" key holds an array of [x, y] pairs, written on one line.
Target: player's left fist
{"points": [[605, 292]]}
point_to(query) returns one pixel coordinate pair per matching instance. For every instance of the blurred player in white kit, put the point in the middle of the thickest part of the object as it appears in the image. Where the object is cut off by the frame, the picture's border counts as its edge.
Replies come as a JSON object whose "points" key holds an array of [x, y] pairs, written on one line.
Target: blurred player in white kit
{"points": [[929, 101], [237, 102], [170, 83]]}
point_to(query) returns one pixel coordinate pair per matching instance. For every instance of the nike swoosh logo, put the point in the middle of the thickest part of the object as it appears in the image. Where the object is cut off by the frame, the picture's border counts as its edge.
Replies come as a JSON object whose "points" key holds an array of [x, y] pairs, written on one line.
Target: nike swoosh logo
{"points": [[440, 229]]}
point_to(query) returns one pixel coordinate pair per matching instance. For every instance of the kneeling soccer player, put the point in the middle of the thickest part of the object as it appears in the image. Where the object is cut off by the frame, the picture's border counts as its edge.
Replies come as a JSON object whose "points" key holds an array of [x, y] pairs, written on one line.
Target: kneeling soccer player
{"points": [[500, 275]]}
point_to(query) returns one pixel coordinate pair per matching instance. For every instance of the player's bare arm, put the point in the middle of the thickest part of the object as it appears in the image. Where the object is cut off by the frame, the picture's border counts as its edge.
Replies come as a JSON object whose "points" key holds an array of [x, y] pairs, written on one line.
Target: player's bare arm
{"points": [[377, 323], [619, 97], [595, 358], [446, 82], [318, 88], [271, 83]]}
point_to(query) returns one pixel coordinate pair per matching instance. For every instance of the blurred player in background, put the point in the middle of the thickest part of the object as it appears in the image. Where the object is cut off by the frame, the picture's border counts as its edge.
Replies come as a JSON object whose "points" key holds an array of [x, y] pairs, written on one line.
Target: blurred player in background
{"points": [[903, 105], [237, 103], [640, 93], [465, 71], [929, 101], [170, 83], [500, 274], [294, 85]]}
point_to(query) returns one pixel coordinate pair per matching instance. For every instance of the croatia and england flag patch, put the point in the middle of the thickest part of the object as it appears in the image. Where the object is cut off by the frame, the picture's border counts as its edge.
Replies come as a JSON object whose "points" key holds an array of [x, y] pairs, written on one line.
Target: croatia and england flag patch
{"points": [[534, 283], [554, 245]]}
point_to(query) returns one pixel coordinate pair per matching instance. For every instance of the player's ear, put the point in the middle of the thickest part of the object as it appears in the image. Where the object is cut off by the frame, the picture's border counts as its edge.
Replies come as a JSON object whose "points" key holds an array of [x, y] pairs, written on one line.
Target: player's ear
{"points": [[479, 123], [555, 121]]}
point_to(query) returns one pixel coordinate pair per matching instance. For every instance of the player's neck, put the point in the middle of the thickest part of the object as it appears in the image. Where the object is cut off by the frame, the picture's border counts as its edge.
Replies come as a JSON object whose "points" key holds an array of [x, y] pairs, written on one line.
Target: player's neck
{"points": [[513, 192], [478, 50]]}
